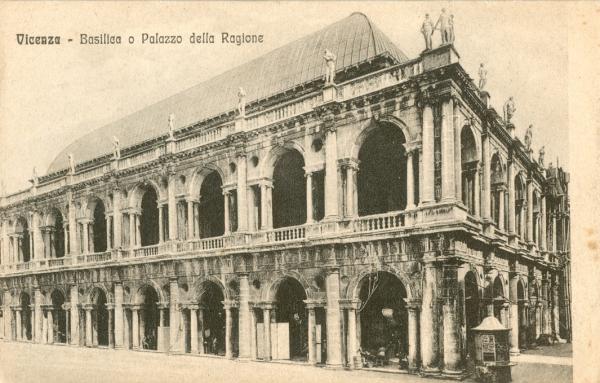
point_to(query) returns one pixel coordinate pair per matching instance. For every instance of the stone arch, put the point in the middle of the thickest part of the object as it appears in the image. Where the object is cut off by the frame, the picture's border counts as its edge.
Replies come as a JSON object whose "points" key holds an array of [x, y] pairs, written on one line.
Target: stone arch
{"points": [[354, 285], [269, 290], [200, 286], [92, 201], [51, 215], [195, 183], [498, 169], [91, 295], [138, 296], [476, 138], [373, 124], [56, 290], [139, 189], [276, 152]]}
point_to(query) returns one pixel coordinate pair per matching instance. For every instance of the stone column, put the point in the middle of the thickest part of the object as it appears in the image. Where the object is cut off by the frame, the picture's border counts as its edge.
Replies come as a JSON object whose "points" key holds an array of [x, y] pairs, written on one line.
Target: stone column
{"points": [[117, 219], [44, 333], [244, 317], [67, 309], [554, 231], [477, 190], [413, 334], [448, 189], [118, 287], [334, 337], [429, 321], [74, 315], [111, 334], [514, 328], [312, 335], [226, 212], [133, 240], [530, 210], [191, 221], [253, 339], [457, 146], [427, 186], [267, 330], [331, 174], [265, 214], [511, 198], [174, 315], [135, 330], [51, 325], [350, 207], [543, 224], [86, 238], [67, 251], [108, 226], [88, 325], [194, 329], [32, 322], [242, 202], [452, 356], [37, 328], [352, 348], [161, 229], [410, 179], [501, 209], [555, 311], [228, 331], [172, 206], [309, 198], [485, 202], [201, 328], [36, 250]]}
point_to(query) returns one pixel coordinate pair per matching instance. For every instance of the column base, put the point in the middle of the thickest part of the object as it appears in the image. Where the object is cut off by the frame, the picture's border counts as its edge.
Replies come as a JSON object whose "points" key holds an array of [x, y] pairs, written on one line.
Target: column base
{"points": [[334, 366], [515, 352], [455, 374], [430, 370]]}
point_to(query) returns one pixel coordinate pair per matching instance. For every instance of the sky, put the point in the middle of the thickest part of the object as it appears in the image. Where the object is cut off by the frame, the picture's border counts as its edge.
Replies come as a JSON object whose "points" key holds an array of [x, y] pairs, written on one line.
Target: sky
{"points": [[51, 95]]}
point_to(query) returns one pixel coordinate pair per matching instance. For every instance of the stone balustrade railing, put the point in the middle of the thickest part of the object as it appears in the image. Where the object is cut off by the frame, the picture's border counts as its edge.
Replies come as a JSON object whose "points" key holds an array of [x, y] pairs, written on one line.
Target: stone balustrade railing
{"points": [[378, 222]]}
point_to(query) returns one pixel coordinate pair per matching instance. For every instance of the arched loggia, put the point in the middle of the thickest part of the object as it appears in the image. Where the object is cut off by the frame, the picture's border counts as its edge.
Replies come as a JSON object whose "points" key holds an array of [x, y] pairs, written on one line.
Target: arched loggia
{"points": [[99, 227], [21, 243], [469, 161], [383, 318], [213, 336], [211, 210], [25, 332], [382, 172], [289, 190], [472, 308], [149, 318], [291, 314], [149, 231], [59, 317]]}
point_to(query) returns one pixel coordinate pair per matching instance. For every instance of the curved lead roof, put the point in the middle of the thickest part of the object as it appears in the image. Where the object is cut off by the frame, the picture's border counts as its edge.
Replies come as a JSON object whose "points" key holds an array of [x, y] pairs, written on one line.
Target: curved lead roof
{"points": [[353, 40]]}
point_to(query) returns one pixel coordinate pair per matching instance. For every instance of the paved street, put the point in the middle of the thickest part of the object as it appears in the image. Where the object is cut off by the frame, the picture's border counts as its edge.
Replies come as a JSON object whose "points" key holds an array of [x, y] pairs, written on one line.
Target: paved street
{"points": [[22, 362]]}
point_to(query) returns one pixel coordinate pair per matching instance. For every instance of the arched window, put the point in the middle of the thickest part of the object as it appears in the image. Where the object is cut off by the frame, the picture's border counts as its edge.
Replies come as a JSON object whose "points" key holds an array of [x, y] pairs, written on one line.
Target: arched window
{"points": [[211, 211], [99, 227], [149, 218], [520, 203], [22, 242], [469, 161], [289, 190], [498, 194], [382, 172]]}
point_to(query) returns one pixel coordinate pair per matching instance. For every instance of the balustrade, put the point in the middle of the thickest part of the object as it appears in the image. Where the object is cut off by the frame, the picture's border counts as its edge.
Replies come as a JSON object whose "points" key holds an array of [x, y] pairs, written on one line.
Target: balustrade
{"points": [[379, 222]]}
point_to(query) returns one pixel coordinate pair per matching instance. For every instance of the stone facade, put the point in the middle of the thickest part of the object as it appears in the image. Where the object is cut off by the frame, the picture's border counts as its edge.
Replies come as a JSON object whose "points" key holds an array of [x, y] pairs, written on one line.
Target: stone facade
{"points": [[137, 250]]}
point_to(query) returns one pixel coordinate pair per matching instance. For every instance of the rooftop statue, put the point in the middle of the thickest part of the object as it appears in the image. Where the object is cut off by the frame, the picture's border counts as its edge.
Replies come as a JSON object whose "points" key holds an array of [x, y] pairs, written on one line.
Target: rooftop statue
{"points": [[171, 125], [241, 102], [35, 177], [443, 25], [541, 157], [116, 149], [330, 61], [71, 164], [509, 110], [451, 27], [427, 31], [528, 137], [482, 77]]}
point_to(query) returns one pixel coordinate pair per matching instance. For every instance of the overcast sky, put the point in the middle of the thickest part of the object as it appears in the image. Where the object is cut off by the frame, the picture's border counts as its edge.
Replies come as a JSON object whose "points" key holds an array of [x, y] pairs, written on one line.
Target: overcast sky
{"points": [[51, 95]]}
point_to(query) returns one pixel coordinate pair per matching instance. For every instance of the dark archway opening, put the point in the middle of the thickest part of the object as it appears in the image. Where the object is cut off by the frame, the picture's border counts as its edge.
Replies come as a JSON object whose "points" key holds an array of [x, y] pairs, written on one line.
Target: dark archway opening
{"points": [[472, 308], [25, 317], [59, 235], [499, 299], [289, 190], [384, 318], [99, 227], [468, 156], [382, 172], [24, 245], [212, 215], [150, 318], [100, 319], [149, 218], [291, 313], [214, 319], [59, 317]]}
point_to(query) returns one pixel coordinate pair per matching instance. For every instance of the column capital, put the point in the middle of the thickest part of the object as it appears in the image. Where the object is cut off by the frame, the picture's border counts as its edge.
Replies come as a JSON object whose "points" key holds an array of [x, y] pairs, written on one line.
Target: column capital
{"points": [[413, 304], [66, 306], [88, 307], [351, 163], [193, 306], [230, 304], [110, 306], [266, 305]]}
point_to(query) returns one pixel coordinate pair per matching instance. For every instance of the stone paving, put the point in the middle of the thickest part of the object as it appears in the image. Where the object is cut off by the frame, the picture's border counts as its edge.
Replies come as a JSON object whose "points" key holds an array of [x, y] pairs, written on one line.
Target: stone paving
{"points": [[23, 362]]}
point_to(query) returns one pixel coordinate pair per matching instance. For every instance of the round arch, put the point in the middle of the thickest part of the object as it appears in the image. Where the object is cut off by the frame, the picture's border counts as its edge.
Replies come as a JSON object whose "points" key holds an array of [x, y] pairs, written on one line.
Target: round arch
{"points": [[476, 138], [195, 184], [269, 290], [138, 297], [276, 152], [136, 193], [354, 285], [211, 295], [373, 124]]}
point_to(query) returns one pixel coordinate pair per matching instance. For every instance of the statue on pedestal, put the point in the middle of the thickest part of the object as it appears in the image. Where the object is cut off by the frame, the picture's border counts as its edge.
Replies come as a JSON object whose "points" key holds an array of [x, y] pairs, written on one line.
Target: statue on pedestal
{"points": [[482, 77], [71, 164], [330, 61], [241, 102], [171, 126], [509, 110], [427, 31], [116, 149], [443, 24], [451, 28], [541, 156], [35, 177], [528, 137]]}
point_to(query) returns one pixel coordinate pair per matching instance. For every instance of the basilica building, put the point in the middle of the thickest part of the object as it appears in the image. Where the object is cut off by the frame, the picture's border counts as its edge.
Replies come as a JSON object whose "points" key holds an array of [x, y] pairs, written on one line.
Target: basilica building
{"points": [[330, 202]]}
